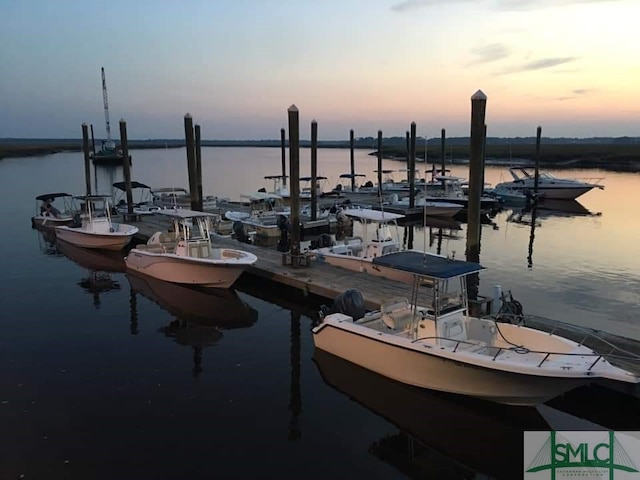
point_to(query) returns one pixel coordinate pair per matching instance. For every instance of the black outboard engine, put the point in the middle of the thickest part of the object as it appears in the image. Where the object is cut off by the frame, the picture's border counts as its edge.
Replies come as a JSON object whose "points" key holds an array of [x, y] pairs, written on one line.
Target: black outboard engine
{"points": [[368, 184], [240, 233], [284, 244], [349, 303]]}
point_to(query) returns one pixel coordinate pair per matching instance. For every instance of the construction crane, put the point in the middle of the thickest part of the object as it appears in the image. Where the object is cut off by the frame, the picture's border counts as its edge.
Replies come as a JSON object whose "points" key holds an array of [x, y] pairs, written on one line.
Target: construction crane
{"points": [[109, 144]]}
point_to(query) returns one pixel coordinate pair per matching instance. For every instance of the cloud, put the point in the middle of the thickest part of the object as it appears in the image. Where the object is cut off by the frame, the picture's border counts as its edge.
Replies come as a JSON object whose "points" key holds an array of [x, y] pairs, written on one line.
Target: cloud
{"points": [[537, 65], [489, 53], [408, 5]]}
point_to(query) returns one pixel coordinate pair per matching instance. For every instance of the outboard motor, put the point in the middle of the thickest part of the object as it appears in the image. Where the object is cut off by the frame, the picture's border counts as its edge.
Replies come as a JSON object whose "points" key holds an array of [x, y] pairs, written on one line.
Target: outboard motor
{"points": [[240, 233], [284, 244], [368, 184], [348, 303]]}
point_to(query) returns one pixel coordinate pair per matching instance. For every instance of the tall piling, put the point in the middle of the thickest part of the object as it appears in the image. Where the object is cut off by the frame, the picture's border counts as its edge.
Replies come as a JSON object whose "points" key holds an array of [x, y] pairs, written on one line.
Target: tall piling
{"points": [[352, 160], [412, 167], [443, 153], [283, 154], [380, 165], [294, 189], [484, 158], [191, 160], [536, 177], [198, 142], [314, 170], [93, 141], [478, 109], [87, 158], [126, 168]]}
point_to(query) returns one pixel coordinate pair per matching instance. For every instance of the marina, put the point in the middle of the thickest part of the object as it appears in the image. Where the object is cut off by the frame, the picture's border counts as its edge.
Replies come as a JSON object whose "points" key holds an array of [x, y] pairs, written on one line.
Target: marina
{"points": [[213, 359]]}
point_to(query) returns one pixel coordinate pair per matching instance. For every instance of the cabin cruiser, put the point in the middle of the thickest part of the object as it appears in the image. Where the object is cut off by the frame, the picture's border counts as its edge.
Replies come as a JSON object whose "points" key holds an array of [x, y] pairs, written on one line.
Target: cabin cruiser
{"points": [[549, 186]]}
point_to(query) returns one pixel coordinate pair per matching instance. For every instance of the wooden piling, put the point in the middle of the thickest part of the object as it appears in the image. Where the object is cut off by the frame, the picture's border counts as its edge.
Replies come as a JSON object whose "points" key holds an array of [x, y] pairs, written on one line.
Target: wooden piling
{"points": [[408, 154], [352, 161], [93, 141], [284, 157], [314, 170], [412, 167], [443, 154], [537, 171], [294, 189], [126, 168], [380, 165], [191, 160], [198, 141], [484, 158], [87, 158], [478, 108]]}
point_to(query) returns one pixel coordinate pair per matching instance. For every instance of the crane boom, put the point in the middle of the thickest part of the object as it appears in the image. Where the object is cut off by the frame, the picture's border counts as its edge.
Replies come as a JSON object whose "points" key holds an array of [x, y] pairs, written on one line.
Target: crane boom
{"points": [[109, 143]]}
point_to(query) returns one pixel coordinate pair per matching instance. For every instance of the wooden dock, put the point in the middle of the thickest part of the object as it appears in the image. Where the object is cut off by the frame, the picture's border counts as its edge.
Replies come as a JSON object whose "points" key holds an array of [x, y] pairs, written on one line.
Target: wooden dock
{"points": [[328, 282], [320, 279]]}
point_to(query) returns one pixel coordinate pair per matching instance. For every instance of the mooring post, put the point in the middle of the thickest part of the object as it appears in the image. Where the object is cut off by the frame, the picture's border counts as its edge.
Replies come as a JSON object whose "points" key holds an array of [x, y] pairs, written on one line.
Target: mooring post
{"points": [[484, 158], [294, 188], [198, 141], [191, 160], [412, 167], [443, 155], [478, 108], [408, 154], [87, 159], [93, 141], [380, 165], [283, 152], [537, 172], [314, 170], [126, 168], [352, 161]]}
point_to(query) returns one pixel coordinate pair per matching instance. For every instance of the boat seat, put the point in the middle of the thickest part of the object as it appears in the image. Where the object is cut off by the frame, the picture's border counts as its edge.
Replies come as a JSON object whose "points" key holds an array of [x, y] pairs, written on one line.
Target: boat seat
{"points": [[397, 314]]}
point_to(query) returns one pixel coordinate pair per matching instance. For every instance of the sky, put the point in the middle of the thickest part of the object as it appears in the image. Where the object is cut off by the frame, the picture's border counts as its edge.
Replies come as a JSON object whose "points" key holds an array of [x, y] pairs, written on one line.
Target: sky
{"points": [[569, 66]]}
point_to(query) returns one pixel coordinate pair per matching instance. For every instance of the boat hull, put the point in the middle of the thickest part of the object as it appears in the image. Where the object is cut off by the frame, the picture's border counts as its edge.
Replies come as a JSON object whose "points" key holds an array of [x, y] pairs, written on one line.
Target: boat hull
{"points": [[184, 270], [358, 264], [50, 222], [86, 239], [425, 370]]}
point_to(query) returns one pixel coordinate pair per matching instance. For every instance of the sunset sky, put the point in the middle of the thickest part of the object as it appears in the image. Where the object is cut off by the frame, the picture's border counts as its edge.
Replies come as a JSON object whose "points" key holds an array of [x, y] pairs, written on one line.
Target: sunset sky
{"points": [[571, 66]]}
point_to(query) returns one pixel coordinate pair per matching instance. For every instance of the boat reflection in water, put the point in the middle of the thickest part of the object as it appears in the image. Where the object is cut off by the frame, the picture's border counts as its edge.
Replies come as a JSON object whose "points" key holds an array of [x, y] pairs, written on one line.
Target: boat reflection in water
{"points": [[442, 436], [100, 265], [200, 315], [47, 242]]}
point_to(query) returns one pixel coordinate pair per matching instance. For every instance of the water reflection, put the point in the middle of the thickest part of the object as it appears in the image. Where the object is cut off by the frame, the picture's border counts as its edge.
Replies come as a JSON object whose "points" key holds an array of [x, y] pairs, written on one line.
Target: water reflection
{"points": [[452, 434], [200, 315], [100, 264], [47, 242]]}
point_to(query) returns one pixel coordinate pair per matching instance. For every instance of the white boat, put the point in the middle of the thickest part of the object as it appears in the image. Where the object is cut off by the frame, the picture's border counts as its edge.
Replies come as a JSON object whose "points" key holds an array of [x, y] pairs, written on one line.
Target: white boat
{"points": [[97, 229], [548, 185], [186, 254], [358, 254], [509, 195], [262, 214], [142, 198], [178, 197], [48, 215], [437, 345], [448, 189], [279, 187]]}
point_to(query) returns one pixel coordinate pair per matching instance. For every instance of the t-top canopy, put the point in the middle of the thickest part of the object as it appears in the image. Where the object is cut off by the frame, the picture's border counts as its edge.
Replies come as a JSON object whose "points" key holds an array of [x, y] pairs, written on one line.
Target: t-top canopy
{"points": [[428, 264], [308, 179], [352, 175], [258, 196], [123, 185], [273, 177], [51, 196]]}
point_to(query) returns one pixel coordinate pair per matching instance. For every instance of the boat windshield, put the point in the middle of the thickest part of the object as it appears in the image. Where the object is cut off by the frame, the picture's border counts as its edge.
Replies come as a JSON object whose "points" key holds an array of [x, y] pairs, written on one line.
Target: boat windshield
{"points": [[450, 296]]}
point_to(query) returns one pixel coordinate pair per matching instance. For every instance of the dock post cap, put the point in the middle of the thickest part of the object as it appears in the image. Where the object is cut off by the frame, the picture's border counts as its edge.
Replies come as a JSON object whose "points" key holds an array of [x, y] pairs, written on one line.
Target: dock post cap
{"points": [[84, 124], [122, 120], [314, 121], [187, 115], [292, 108], [479, 95]]}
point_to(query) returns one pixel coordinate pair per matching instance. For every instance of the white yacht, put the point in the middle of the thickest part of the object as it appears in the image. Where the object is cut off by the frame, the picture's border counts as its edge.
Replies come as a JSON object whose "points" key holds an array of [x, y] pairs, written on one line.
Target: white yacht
{"points": [[548, 186]]}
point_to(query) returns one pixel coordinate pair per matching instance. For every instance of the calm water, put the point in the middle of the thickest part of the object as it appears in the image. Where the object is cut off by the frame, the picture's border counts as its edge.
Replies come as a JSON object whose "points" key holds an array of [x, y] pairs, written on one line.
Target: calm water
{"points": [[111, 376]]}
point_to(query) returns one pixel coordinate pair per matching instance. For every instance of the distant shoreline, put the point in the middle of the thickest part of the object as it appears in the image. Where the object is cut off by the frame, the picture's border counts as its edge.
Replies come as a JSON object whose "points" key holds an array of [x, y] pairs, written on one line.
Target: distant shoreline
{"points": [[606, 156]]}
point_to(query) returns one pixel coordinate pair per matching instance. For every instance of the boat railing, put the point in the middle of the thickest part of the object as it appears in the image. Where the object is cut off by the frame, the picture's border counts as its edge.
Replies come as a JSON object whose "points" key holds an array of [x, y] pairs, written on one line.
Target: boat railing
{"points": [[519, 350]]}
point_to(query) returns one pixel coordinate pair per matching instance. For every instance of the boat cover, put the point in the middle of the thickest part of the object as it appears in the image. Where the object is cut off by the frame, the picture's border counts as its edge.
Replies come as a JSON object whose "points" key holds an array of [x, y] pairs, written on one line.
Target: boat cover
{"points": [[427, 264], [123, 185]]}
